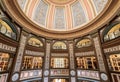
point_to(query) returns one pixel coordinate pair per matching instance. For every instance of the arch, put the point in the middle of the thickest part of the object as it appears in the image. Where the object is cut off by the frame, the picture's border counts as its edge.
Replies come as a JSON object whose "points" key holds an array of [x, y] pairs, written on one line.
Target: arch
{"points": [[7, 28], [83, 43], [35, 42], [59, 45], [111, 32]]}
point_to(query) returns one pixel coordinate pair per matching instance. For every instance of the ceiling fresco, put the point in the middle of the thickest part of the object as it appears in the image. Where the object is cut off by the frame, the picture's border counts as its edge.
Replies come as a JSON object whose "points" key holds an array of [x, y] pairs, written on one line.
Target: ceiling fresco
{"points": [[62, 15]]}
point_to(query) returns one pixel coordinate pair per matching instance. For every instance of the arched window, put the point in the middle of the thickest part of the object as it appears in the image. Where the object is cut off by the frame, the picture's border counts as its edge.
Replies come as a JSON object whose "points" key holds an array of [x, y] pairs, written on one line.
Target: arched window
{"points": [[83, 43], [111, 32], [59, 45], [8, 29], [35, 42]]}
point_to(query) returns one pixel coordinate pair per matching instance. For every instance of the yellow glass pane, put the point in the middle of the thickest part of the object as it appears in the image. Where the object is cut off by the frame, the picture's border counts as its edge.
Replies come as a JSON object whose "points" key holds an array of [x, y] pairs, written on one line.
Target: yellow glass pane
{"points": [[114, 28], [6, 25], [59, 45], [35, 42], [84, 42]]}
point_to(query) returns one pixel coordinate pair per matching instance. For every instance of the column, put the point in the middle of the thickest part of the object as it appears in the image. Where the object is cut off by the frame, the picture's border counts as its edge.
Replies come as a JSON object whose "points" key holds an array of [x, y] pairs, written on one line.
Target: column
{"points": [[15, 75], [47, 62], [103, 68], [72, 62]]}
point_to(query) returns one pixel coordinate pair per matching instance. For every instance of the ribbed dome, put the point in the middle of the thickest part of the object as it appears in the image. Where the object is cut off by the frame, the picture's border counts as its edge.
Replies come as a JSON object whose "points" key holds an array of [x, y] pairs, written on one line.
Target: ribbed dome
{"points": [[62, 15]]}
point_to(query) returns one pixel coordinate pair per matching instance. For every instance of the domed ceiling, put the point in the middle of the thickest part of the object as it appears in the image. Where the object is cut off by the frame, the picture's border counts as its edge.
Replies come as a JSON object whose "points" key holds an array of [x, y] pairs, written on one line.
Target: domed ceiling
{"points": [[62, 15]]}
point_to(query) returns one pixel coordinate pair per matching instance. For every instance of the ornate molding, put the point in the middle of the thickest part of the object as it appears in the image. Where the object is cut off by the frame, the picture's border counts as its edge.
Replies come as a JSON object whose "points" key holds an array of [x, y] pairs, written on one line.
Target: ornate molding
{"points": [[112, 49], [7, 47], [59, 54], [88, 74], [99, 54], [29, 52], [71, 53], [90, 53], [47, 58]]}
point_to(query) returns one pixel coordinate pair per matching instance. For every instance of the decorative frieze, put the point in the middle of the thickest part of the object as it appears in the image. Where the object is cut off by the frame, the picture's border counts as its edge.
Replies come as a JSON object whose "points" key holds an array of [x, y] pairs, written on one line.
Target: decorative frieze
{"points": [[7, 47], [88, 74], [59, 72], [112, 49], [47, 61], [47, 56], [30, 74], [89, 53], [60, 54], [72, 66], [72, 62], [29, 52], [99, 54], [20, 53]]}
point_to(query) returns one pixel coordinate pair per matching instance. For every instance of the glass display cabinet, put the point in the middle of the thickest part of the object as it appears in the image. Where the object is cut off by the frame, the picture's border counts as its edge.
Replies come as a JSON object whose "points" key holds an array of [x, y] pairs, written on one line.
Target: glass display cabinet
{"points": [[4, 61], [59, 62], [115, 62], [86, 62], [59, 80], [31, 62]]}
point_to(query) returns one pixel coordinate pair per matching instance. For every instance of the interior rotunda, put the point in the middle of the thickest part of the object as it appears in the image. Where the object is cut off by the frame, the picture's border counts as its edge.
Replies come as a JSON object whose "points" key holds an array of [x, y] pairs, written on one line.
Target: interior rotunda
{"points": [[59, 40]]}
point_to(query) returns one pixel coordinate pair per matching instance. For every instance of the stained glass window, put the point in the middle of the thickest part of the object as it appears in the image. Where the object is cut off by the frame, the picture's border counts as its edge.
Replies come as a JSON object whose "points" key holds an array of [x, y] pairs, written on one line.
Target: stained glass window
{"points": [[35, 42], [59, 45], [115, 62], [113, 33], [83, 43], [7, 30]]}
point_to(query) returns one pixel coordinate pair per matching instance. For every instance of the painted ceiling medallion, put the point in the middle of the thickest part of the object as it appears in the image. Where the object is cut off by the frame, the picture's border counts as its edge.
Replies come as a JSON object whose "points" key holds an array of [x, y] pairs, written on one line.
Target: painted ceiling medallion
{"points": [[61, 1]]}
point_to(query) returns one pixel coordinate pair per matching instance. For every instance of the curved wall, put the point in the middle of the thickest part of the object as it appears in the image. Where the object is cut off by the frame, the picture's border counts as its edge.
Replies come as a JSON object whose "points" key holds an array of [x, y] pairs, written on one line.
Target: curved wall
{"points": [[36, 58]]}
